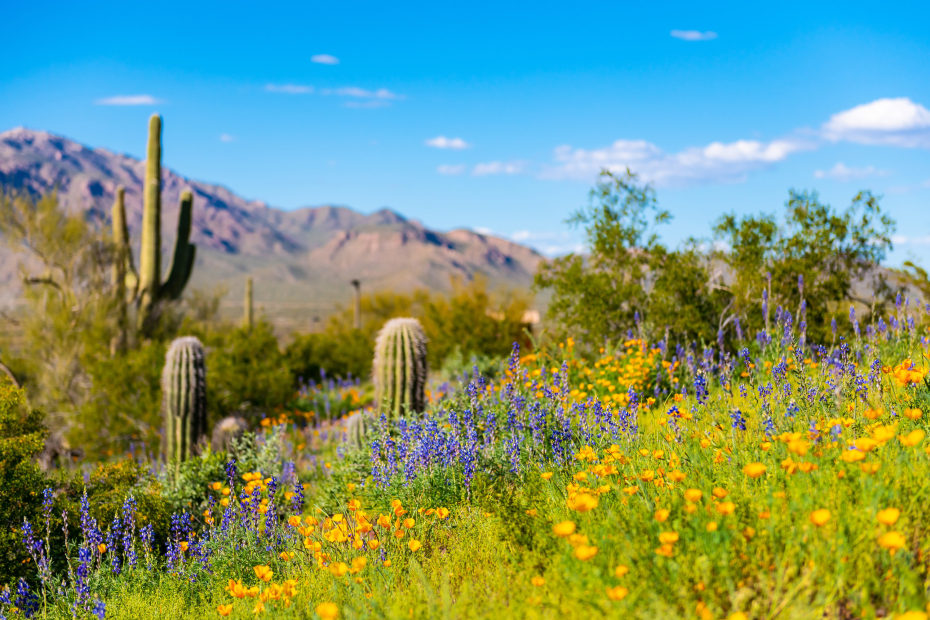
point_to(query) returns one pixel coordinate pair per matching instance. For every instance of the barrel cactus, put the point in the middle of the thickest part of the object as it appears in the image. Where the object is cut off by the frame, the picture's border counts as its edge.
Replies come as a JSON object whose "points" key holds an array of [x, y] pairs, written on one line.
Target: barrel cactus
{"points": [[400, 367], [184, 394]]}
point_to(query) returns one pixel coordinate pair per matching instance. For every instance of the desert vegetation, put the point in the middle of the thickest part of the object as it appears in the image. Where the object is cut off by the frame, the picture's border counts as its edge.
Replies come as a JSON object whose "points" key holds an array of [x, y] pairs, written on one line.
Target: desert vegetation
{"points": [[732, 428]]}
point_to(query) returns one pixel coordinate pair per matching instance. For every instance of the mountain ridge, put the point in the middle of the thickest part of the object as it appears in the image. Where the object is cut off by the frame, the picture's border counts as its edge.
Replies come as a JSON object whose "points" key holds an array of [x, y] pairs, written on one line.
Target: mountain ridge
{"points": [[308, 253]]}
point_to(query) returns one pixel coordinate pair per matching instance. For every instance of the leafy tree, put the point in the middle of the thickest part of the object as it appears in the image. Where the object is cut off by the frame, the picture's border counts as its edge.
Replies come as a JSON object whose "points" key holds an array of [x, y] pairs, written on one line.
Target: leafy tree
{"points": [[808, 264], [628, 281]]}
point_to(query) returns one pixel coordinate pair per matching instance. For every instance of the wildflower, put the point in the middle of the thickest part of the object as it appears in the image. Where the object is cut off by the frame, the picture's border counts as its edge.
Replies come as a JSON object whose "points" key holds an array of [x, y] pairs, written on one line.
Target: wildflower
{"points": [[892, 541], [442, 513], [224, 610], [564, 529], [583, 502], [101, 548], [293, 521], [711, 526], [546, 475], [693, 495], [414, 545], [720, 493], [585, 552], [259, 607], [338, 569], [661, 515], [263, 572], [668, 538], [913, 414], [820, 517], [738, 615], [888, 516], [913, 438], [327, 611], [409, 523], [538, 581], [617, 593], [666, 550], [726, 508], [621, 570], [754, 470], [384, 521], [286, 555]]}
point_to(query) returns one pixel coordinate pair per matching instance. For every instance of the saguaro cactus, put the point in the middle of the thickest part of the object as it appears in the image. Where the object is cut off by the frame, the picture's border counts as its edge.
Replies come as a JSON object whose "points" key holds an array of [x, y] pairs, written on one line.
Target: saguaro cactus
{"points": [[184, 398], [400, 367], [146, 288], [247, 311]]}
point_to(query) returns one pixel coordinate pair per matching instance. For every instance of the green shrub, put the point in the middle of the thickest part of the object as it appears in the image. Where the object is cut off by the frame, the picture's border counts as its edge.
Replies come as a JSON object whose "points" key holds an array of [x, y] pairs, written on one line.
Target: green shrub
{"points": [[246, 372], [22, 437]]}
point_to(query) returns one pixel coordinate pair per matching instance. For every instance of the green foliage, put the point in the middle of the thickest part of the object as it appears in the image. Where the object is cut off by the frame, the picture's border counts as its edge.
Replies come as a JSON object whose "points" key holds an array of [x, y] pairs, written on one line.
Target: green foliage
{"points": [[248, 372], [184, 390], [22, 437], [628, 280], [471, 320], [400, 368], [124, 406], [631, 281], [828, 250]]}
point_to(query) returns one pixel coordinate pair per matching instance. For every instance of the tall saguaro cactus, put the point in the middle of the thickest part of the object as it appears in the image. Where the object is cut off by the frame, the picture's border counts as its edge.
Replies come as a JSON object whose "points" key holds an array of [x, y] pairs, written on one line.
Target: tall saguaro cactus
{"points": [[184, 398], [248, 318], [400, 367], [146, 288]]}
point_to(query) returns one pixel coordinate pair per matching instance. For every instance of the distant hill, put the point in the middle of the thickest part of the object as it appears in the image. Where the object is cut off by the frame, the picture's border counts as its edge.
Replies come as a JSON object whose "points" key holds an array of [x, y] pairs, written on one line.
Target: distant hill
{"points": [[301, 260]]}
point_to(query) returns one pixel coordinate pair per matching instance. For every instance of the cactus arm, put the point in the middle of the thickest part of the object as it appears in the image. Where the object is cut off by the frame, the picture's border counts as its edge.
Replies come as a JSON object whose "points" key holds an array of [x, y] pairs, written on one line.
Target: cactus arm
{"points": [[184, 252], [150, 252]]}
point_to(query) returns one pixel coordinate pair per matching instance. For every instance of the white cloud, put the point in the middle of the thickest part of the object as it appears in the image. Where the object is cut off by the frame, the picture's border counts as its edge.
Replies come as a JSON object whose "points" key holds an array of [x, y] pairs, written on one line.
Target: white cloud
{"points": [[369, 104], [906, 240], [324, 59], [498, 167], [361, 93], [483, 230], [549, 243], [451, 169], [718, 161], [128, 100], [442, 142], [694, 35], [892, 122], [225, 137], [289, 89], [842, 172]]}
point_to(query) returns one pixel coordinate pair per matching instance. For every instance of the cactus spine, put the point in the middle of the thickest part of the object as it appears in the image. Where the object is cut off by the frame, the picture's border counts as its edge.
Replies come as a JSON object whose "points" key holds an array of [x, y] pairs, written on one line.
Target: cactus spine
{"points": [[147, 289], [400, 367], [184, 394], [247, 315]]}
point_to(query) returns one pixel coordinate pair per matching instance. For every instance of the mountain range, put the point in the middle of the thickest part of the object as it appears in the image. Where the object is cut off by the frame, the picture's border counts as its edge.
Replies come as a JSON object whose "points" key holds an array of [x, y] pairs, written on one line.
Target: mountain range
{"points": [[301, 260]]}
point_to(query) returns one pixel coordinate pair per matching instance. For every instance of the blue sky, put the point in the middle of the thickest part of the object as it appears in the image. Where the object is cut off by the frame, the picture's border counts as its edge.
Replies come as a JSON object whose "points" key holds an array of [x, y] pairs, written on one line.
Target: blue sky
{"points": [[496, 117]]}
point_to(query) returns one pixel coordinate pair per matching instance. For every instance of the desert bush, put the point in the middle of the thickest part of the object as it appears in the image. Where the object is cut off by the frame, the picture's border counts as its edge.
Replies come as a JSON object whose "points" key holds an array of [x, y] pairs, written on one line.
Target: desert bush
{"points": [[22, 437]]}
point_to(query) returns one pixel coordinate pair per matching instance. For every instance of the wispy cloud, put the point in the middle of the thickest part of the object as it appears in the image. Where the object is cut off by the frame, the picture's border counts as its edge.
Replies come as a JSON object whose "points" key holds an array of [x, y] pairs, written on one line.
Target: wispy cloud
{"points": [[451, 169], [910, 240], [362, 93], [499, 167], [842, 172], [324, 59], [890, 122], [289, 89], [225, 137], [694, 35], [367, 104], [549, 243], [717, 161], [128, 100], [442, 142]]}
